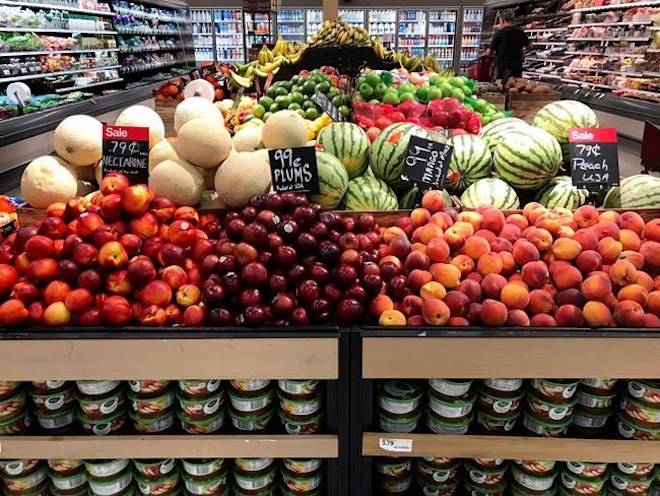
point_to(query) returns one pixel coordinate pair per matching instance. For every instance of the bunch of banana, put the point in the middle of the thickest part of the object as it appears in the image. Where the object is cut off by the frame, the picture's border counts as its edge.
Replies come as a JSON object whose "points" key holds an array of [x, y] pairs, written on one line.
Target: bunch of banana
{"points": [[338, 32], [431, 63], [411, 62]]}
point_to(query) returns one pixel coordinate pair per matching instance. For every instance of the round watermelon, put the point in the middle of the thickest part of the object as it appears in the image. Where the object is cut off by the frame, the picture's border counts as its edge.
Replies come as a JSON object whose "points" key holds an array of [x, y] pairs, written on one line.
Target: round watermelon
{"points": [[470, 161], [490, 192], [349, 143], [333, 180], [638, 191], [558, 117], [527, 158], [369, 193], [389, 148], [560, 193], [497, 131]]}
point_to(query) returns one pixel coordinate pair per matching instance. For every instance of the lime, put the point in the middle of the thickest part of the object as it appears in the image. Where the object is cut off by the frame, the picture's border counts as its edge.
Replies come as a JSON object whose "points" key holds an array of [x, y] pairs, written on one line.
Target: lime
{"points": [[380, 90], [308, 104], [311, 114], [481, 104], [286, 84], [407, 88], [266, 116], [435, 93], [456, 81], [366, 90], [372, 78], [265, 102], [282, 91], [422, 95], [345, 99], [258, 111], [272, 91], [297, 97], [317, 78], [294, 106], [283, 101], [296, 88], [344, 110], [274, 107], [391, 97], [301, 113], [323, 87], [404, 97], [333, 91], [308, 87], [466, 90], [336, 101]]}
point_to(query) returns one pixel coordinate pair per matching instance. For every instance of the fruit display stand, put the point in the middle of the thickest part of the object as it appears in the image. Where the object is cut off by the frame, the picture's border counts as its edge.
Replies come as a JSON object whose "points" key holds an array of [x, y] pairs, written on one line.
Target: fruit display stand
{"points": [[525, 106], [94, 354]]}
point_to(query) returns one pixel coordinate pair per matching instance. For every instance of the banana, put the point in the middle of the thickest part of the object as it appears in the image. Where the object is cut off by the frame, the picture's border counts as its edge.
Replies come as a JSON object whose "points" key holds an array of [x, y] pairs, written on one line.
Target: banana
{"points": [[240, 80]]}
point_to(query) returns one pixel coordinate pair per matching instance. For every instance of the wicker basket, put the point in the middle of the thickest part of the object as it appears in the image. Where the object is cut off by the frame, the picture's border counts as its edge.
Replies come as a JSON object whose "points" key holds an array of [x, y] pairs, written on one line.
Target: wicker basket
{"points": [[165, 109]]}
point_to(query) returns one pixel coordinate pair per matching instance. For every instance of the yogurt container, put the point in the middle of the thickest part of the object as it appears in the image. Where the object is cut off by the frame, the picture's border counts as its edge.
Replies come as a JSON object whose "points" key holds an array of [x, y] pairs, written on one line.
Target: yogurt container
{"points": [[473, 489], [27, 480], [500, 424], [50, 385], [97, 388], [14, 468], [448, 408], [443, 425], [640, 412], [537, 467], [394, 467], [249, 385], [629, 429], [199, 388], [594, 402], [302, 483], [392, 485], [518, 490], [202, 467], [109, 424], [498, 405], [252, 403], [206, 485], [647, 392], [164, 484], [102, 405], [61, 421], [254, 464], [531, 481], [155, 422], [7, 388], [155, 469], [205, 425], [148, 387], [548, 411], [598, 386], [102, 469], [285, 491], [588, 424], [576, 485], [398, 397], [292, 405], [506, 386], [112, 484], [628, 484], [78, 491], [637, 470], [302, 466], [559, 390], [18, 424], [586, 470], [254, 481], [199, 408], [439, 475], [305, 387], [545, 428], [438, 489], [301, 424], [12, 405], [402, 424], [451, 388], [53, 400], [251, 421], [149, 405], [486, 476], [70, 481]]}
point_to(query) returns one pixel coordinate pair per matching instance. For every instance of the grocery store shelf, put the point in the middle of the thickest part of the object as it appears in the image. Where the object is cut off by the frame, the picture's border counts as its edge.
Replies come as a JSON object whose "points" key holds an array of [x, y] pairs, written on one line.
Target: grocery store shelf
{"points": [[627, 107], [601, 40], [143, 15], [150, 49], [52, 74], [548, 61], [440, 46], [608, 55], [622, 6], [604, 71], [291, 22], [56, 52], [410, 354], [46, 30], [91, 85], [587, 83], [543, 74], [170, 446], [154, 32], [545, 30], [58, 7], [622, 23], [548, 43], [516, 448]]}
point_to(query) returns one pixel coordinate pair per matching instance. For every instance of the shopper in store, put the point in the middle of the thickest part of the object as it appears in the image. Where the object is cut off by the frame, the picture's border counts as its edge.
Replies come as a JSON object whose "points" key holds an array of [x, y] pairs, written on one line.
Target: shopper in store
{"points": [[507, 45]]}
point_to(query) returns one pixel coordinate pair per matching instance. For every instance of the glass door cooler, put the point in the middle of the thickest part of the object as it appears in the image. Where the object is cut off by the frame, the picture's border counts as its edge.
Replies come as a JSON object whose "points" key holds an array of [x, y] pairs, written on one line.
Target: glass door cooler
{"points": [[442, 35], [382, 22], [314, 21], [291, 24], [471, 36], [354, 17], [259, 29], [412, 31], [229, 35], [202, 32]]}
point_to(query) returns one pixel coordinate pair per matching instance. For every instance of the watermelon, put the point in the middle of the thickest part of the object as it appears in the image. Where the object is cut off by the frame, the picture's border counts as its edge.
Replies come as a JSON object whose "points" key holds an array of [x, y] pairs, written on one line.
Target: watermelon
{"points": [[333, 180], [470, 161], [638, 191], [349, 143], [490, 192], [558, 117], [527, 158], [497, 130], [560, 193], [369, 193], [388, 149]]}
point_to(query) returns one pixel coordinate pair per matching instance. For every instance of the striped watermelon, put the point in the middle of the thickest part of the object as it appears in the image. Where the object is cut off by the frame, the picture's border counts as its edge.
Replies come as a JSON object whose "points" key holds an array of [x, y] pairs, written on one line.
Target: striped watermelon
{"points": [[349, 143], [471, 160], [560, 193], [638, 191], [333, 180], [369, 193], [388, 149], [490, 192], [528, 158], [558, 117], [497, 130]]}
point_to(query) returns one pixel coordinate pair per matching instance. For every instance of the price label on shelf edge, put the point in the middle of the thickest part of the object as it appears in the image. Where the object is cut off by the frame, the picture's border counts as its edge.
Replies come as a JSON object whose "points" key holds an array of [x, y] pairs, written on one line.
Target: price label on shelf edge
{"points": [[395, 445], [126, 150], [594, 159], [426, 162], [294, 170]]}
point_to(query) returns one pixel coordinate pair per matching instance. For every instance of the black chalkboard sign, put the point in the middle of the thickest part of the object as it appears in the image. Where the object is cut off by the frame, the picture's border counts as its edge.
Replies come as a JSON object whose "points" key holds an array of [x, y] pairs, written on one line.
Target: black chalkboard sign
{"points": [[426, 162], [294, 169], [594, 158], [327, 107], [126, 150]]}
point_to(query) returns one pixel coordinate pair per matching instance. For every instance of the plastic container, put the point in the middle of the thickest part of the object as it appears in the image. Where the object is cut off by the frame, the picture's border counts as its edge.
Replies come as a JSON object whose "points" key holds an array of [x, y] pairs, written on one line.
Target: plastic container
{"points": [[580, 486], [398, 397], [394, 467], [155, 422], [647, 392], [460, 407], [595, 402], [252, 403], [97, 388], [60, 422], [251, 421], [154, 468], [199, 408], [102, 469], [496, 424], [18, 424], [640, 412], [302, 424], [206, 425], [148, 387], [302, 483], [254, 464], [302, 465], [148, 405], [504, 386], [392, 485], [531, 481], [110, 424], [53, 400], [249, 385], [537, 467], [629, 484], [292, 405], [164, 484], [112, 484], [12, 405], [588, 424], [71, 481], [402, 424], [598, 386], [439, 489], [544, 428], [199, 388], [629, 429], [638, 470], [561, 391], [64, 466], [586, 470], [451, 388], [473, 489], [298, 387], [203, 467], [102, 405], [438, 474], [14, 468], [49, 385], [7, 388], [498, 405], [486, 476], [255, 481], [548, 411], [442, 425], [27, 480]]}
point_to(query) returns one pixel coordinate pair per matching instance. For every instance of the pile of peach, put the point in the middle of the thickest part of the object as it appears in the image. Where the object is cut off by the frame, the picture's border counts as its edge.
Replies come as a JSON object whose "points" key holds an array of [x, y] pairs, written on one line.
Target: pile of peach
{"points": [[536, 268]]}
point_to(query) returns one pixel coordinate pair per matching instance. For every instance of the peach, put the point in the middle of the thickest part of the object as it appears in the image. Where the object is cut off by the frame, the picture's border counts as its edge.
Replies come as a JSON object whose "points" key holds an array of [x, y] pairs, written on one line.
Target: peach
{"points": [[634, 257], [542, 320], [651, 230], [586, 216], [609, 249], [435, 312], [464, 264], [434, 200], [566, 232], [653, 304], [36, 313], [457, 302], [112, 255], [155, 293], [629, 240], [464, 228], [651, 321], [634, 292], [622, 273], [607, 229], [56, 314], [392, 318], [56, 209], [446, 274], [420, 217], [41, 271], [433, 289], [427, 233], [524, 252], [587, 239], [518, 220], [471, 289], [589, 261], [88, 223], [437, 250], [39, 246], [548, 222], [489, 263], [79, 300], [645, 280], [194, 316], [486, 234], [411, 305], [517, 279], [540, 301], [651, 252], [508, 263], [403, 227], [454, 239], [8, 278], [174, 275], [632, 221], [471, 217], [566, 249], [609, 216], [476, 246], [540, 238], [475, 276], [492, 219], [85, 254], [55, 291], [517, 318], [596, 287], [535, 274], [13, 313], [566, 277], [114, 182], [511, 232], [492, 285], [514, 296], [460, 322], [392, 232], [188, 295], [116, 310], [417, 260], [380, 304], [569, 316], [499, 245], [534, 213], [530, 207], [493, 312], [415, 321], [629, 313], [473, 314]]}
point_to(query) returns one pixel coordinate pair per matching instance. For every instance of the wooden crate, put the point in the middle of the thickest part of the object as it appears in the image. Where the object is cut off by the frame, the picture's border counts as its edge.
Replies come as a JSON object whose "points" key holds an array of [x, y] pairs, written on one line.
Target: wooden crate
{"points": [[525, 106], [497, 99], [165, 109]]}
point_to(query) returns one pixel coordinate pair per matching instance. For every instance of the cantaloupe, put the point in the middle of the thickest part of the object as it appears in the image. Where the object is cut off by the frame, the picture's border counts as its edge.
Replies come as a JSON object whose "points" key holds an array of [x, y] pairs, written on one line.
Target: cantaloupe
{"points": [[178, 181], [79, 140], [141, 116], [48, 180], [242, 175], [195, 107], [161, 152], [248, 139], [203, 142], [284, 129]]}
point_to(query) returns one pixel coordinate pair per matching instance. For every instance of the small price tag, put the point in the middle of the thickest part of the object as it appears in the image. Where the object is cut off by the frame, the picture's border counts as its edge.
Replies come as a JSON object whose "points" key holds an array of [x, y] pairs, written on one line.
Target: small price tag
{"points": [[294, 170], [594, 157], [327, 106], [395, 445], [426, 162], [126, 150]]}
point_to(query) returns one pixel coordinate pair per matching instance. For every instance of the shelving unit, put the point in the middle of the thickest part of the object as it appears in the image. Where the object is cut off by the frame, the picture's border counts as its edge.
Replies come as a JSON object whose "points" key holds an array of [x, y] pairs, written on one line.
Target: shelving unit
{"points": [[412, 30], [471, 27], [354, 17], [291, 24], [314, 19], [442, 35], [383, 23]]}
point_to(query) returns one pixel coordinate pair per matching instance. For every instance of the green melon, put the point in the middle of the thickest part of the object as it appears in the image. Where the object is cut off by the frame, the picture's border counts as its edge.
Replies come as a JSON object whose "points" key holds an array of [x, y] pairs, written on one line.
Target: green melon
{"points": [[497, 130], [349, 143], [560, 193], [333, 180], [638, 191], [560, 116], [369, 193], [490, 192], [470, 161]]}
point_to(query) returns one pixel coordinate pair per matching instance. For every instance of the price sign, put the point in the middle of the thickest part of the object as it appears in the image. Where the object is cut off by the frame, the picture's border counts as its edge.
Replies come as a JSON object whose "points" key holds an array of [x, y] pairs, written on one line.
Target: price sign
{"points": [[395, 445], [126, 150], [426, 162], [327, 106], [594, 157], [294, 169]]}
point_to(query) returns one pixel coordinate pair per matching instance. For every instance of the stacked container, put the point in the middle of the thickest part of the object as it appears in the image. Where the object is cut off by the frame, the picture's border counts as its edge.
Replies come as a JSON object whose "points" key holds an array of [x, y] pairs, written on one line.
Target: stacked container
{"points": [[451, 402], [252, 404], [582, 478], [393, 475], [533, 478], [301, 477], [399, 406], [201, 405], [68, 478], [23, 477], [438, 475], [300, 406], [110, 477], [153, 405], [630, 478], [639, 416], [54, 406], [549, 406], [205, 476], [102, 407], [486, 476], [14, 414], [254, 476], [157, 477], [498, 405], [594, 406]]}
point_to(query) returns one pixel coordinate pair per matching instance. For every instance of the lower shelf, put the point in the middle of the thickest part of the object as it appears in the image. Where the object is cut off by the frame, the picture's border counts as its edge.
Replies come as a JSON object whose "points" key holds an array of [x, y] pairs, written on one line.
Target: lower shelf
{"points": [[510, 447], [211, 446]]}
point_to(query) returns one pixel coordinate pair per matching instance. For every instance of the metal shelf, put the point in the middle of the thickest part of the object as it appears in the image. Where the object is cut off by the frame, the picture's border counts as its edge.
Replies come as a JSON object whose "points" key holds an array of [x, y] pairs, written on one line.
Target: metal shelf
{"points": [[58, 7], [622, 23], [46, 30], [52, 74], [542, 74], [608, 55], [155, 32], [608, 39], [605, 71], [82, 86], [593, 85], [623, 6], [55, 52]]}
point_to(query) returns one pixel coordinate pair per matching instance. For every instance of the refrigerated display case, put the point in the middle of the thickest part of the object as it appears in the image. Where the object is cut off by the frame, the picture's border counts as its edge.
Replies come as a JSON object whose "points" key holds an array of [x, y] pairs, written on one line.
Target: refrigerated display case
{"points": [[229, 41], [202, 31], [259, 28], [382, 22], [411, 33], [442, 35], [314, 21], [471, 36], [291, 24], [354, 17]]}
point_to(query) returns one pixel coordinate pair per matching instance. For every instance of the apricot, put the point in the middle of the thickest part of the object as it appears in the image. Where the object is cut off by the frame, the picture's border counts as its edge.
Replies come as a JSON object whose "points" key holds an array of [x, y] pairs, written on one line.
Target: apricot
{"points": [[632, 221], [499, 245], [475, 246], [514, 296], [540, 301], [566, 277], [420, 217], [508, 263], [517, 220], [588, 261], [542, 320], [629, 240], [392, 318], [435, 312], [597, 314], [511, 232], [457, 302], [434, 200], [437, 250], [535, 274], [653, 304], [629, 313], [471, 217], [596, 287], [417, 278], [446, 274], [566, 249], [417, 260], [622, 273], [634, 292], [380, 304], [524, 252], [586, 216], [610, 249], [493, 312], [489, 263], [540, 238], [492, 285], [465, 228], [651, 252], [454, 239], [587, 239], [517, 318], [645, 280], [651, 230], [569, 316], [464, 264], [411, 305], [433, 289], [471, 289]]}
